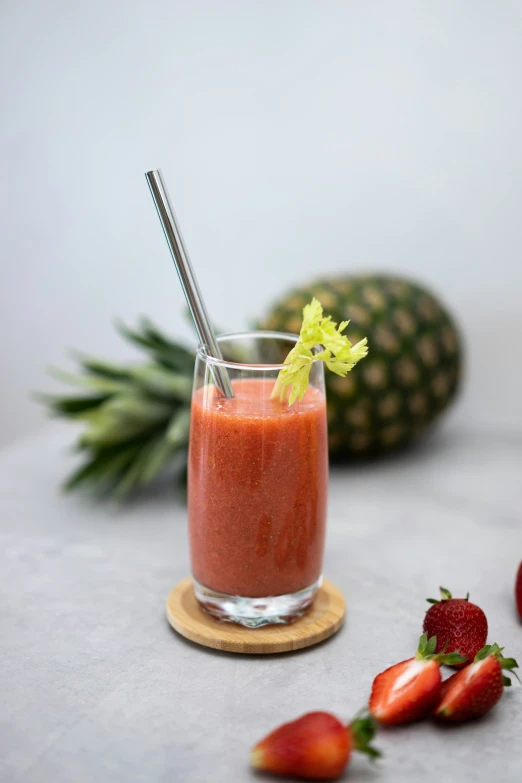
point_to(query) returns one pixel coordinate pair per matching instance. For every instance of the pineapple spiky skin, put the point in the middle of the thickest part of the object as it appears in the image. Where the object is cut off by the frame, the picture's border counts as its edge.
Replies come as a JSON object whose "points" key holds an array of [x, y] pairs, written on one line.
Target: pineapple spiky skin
{"points": [[412, 371]]}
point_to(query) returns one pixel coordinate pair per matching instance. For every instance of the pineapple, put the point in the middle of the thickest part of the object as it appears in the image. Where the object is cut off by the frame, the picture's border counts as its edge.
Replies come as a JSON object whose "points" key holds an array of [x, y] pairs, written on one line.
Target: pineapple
{"points": [[136, 417], [411, 373]]}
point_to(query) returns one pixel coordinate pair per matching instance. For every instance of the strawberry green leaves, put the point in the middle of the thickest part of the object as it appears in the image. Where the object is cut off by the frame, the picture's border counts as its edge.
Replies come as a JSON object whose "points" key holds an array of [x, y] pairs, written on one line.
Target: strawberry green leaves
{"points": [[426, 646], [427, 651], [338, 353], [505, 663], [445, 596], [362, 729]]}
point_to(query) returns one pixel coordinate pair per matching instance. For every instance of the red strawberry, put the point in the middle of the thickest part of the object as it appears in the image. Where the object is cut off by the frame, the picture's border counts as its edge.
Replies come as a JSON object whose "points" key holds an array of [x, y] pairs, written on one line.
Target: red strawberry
{"points": [[316, 746], [474, 691], [457, 624], [410, 689], [518, 591]]}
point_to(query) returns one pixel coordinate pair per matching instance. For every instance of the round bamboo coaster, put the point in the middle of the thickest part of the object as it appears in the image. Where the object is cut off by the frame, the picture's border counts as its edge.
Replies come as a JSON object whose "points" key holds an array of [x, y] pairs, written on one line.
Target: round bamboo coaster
{"points": [[188, 619]]}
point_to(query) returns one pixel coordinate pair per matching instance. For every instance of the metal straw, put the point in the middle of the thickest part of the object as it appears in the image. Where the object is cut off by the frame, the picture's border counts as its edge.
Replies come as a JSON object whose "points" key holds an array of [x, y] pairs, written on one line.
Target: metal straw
{"points": [[186, 275]]}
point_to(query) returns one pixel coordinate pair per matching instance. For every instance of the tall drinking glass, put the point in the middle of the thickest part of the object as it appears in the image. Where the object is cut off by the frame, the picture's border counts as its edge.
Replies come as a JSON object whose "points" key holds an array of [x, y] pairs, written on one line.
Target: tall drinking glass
{"points": [[257, 485]]}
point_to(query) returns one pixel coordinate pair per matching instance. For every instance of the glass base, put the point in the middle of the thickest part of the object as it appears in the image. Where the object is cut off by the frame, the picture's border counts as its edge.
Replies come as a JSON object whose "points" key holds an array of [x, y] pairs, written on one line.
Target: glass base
{"points": [[256, 612]]}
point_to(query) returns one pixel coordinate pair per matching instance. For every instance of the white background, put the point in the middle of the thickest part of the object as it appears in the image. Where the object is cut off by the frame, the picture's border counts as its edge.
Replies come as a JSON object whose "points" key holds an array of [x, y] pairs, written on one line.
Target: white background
{"points": [[297, 138]]}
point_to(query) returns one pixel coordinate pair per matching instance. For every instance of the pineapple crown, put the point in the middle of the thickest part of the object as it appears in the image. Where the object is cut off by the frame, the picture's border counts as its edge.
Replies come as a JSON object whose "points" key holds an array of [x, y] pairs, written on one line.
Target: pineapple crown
{"points": [[135, 418]]}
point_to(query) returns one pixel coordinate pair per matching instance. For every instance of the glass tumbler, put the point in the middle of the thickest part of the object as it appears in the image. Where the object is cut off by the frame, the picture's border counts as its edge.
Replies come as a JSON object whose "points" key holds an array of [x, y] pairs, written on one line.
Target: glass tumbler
{"points": [[257, 485]]}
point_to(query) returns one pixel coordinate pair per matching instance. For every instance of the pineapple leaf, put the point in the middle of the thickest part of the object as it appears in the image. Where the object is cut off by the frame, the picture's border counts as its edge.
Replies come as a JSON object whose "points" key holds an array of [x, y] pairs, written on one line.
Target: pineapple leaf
{"points": [[134, 337], [163, 383], [135, 473], [178, 358], [90, 471], [102, 466], [161, 453], [70, 406], [182, 481], [165, 352], [97, 384], [178, 430], [128, 482], [133, 408], [102, 368], [112, 432], [136, 417], [160, 340]]}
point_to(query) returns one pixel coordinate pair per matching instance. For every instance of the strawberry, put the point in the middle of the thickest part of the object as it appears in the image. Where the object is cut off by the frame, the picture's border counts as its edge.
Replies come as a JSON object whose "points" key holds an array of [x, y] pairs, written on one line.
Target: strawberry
{"points": [[473, 692], [457, 624], [518, 591], [410, 689], [316, 746]]}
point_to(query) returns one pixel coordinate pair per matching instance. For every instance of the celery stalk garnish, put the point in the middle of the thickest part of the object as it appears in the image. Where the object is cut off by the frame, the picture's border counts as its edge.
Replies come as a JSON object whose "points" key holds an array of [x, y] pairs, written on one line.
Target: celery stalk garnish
{"points": [[338, 353]]}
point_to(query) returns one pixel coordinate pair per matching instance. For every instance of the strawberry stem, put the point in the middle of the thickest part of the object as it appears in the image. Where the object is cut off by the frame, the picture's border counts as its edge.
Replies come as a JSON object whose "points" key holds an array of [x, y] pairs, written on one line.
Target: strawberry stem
{"points": [[362, 729], [445, 596]]}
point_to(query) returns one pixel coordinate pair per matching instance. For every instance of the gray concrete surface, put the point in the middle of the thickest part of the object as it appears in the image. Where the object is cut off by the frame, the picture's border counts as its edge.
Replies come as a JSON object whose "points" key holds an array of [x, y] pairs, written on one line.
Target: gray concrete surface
{"points": [[95, 687]]}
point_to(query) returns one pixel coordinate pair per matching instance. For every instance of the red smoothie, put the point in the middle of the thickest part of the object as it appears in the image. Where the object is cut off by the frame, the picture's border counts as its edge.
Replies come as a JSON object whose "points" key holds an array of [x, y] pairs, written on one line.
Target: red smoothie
{"points": [[258, 473]]}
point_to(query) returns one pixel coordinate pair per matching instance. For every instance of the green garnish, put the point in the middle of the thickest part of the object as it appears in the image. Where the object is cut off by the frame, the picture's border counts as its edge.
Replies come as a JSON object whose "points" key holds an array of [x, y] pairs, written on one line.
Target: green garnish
{"points": [[338, 353]]}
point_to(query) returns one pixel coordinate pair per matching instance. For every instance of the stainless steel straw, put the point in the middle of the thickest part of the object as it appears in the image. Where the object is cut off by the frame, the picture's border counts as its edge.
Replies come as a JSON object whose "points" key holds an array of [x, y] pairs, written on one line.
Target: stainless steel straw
{"points": [[187, 277]]}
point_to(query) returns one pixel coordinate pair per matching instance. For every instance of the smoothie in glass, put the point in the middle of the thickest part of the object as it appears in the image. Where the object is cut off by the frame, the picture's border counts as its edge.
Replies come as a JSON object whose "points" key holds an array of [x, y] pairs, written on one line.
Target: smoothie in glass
{"points": [[257, 491]]}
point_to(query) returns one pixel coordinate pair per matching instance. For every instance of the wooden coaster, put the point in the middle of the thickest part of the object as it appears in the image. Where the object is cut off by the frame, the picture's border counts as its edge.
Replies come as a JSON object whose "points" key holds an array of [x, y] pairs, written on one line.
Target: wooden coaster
{"points": [[188, 619]]}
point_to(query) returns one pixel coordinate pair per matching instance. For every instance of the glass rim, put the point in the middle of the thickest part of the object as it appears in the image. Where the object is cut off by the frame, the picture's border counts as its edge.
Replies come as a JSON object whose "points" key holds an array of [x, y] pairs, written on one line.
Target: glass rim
{"points": [[201, 351]]}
